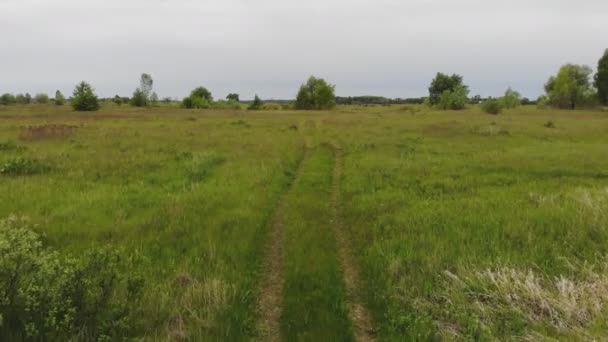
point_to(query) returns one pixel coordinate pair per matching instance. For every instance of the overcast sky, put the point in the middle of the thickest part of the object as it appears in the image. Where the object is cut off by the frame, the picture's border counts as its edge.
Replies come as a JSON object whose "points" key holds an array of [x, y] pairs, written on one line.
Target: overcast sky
{"points": [[364, 47]]}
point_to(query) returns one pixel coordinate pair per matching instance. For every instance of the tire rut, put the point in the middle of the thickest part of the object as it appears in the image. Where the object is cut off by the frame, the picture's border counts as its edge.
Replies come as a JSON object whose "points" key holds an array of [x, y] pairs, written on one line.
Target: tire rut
{"points": [[270, 306], [359, 315]]}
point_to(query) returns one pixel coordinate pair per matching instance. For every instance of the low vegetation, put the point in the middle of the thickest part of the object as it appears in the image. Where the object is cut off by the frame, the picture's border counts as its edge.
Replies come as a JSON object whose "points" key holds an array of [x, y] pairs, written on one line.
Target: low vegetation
{"points": [[153, 224]]}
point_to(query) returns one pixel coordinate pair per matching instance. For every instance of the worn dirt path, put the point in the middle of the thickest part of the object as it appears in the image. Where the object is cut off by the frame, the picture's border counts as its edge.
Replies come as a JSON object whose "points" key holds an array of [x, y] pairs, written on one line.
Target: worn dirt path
{"points": [[270, 306], [359, 315]]}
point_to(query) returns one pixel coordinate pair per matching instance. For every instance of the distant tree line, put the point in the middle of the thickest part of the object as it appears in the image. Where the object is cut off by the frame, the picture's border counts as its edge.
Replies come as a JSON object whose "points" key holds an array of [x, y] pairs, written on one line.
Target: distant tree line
{"points": [[574, 86]]}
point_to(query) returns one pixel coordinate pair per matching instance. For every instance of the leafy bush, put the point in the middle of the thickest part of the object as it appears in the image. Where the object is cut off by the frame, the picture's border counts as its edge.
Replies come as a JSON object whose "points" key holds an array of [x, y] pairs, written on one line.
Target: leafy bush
{"points": [[511, 99], [41, 98], [454, 100], [139, 99], [199, 98], [23, 99], [571, 88], [256, 104], [203, 93], [8, 99], [46, 296], [59, 98], [316, 94], [118, 100], [492, 106], [443, 83], [193, 102], [22, 166], [84, 98], [233, 97]]}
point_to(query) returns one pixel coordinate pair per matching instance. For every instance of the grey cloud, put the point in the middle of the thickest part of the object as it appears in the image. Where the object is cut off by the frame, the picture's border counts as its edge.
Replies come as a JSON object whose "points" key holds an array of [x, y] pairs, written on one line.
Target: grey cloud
{"points": [[382, 47]]}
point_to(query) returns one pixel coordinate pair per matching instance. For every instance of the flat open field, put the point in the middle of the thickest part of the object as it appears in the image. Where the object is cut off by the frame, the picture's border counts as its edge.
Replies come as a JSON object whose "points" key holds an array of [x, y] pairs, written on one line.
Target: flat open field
{"points": [[363, 223]]}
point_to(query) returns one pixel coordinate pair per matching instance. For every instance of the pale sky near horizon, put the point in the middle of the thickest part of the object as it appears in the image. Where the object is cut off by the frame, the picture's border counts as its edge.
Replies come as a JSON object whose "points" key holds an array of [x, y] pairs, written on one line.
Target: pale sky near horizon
{"points": [[269, 47]]}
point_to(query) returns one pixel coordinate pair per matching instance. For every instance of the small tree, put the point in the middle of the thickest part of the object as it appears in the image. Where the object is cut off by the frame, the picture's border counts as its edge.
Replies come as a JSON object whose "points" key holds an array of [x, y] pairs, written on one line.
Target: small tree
{"points": [[442, 83], [571, 87], [84, 98], [203, 93], [256, 104], [316, 94], [511, 99], [41, 98], [20, 99], [233, 97], [8, 99], [601, 79], [454, 99], [139, 98], [142, 95], [154, 99], [59, 98], [199, 98], [118, 100]]}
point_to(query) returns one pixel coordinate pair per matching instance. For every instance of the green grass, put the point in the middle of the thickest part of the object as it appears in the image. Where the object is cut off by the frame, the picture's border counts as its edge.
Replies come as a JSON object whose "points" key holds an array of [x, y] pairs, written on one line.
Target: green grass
{"points": [[435, 203], [313, 297]]}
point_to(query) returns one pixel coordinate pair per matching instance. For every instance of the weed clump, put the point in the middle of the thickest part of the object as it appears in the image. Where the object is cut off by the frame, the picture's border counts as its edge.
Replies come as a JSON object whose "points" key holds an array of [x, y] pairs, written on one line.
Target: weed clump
{"points": [[550, 124], [202, 164], [23, 167], [242, 123], [492, 106], [11, 146]]}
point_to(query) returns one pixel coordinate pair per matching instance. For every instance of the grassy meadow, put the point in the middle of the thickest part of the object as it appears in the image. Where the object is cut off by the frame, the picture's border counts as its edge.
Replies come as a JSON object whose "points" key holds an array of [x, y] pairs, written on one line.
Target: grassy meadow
{"points": [[464, 225]]}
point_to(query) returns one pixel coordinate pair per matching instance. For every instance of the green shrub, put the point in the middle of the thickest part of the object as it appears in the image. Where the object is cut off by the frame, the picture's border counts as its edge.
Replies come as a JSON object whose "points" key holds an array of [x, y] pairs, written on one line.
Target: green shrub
{"points": [[194, 102], [203, 93], [8, 99], [22, 167], [59, 98], [46, 296], [139, 99], [454, 100], [511, 99], [84, 98], [492, 106], [256, 104], [41, 98], [316, 94]]}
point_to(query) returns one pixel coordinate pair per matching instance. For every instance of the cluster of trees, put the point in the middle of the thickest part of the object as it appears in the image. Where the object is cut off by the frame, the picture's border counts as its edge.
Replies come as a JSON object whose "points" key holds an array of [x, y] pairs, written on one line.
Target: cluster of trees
{"points": [[144, 95], [573, 87], [41, 98]]}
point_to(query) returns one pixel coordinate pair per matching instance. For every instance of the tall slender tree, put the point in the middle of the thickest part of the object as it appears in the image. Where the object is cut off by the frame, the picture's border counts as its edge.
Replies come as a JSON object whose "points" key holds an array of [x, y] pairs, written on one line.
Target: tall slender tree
{"points": [[601, 79]]}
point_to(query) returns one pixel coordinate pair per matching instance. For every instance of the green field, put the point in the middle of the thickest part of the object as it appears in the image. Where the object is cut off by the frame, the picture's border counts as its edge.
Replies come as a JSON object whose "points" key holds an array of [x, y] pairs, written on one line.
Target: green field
{"points": [[459, 225]]}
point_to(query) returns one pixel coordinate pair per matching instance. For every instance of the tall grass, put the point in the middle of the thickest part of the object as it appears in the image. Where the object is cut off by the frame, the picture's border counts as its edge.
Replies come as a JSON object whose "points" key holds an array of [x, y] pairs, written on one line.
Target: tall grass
{"points": [[465, 225]]}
